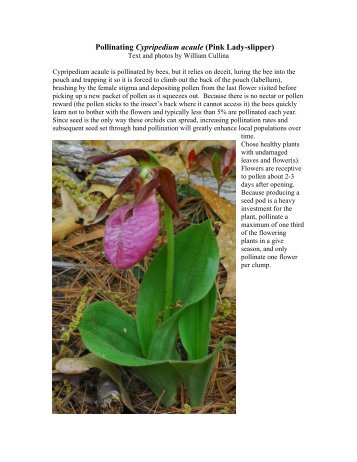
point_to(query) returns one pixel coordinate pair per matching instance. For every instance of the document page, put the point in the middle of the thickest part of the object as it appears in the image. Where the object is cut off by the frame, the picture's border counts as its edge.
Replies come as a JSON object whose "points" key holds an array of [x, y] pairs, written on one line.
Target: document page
{"points": [[196, 162]]}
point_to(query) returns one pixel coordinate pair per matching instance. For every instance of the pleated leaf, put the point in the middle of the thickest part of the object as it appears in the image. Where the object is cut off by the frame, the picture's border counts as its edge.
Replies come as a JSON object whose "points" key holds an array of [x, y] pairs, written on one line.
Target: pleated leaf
{"points": [[195, 268], [164, 339], [110, 333], [195, 325]]}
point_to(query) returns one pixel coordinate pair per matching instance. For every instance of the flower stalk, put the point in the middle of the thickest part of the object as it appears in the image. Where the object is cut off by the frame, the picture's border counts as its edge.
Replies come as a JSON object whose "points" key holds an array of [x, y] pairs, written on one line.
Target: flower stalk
{"points": [[170, 260]]}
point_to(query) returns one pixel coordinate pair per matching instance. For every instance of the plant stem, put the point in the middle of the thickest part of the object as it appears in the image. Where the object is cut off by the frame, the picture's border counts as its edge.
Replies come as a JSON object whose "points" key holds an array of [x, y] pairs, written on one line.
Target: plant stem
{"points": [[170, 261]]}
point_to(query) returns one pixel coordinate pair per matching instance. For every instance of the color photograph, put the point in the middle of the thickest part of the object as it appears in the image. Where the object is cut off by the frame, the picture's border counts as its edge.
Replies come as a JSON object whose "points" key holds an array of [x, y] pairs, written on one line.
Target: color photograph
{"points": [[144, 277]]}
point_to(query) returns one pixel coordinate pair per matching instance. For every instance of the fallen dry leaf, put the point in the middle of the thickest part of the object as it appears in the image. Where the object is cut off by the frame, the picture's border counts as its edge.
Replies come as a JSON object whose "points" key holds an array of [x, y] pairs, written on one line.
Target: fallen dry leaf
{"points": [[68, 208], [224, 209], [73, 365], [68, 218], [83, 364], [105, 189], [66, 226], [226, 236], [173, 162], [95, 234], [99, 144], [65, 352], [117, 144]]}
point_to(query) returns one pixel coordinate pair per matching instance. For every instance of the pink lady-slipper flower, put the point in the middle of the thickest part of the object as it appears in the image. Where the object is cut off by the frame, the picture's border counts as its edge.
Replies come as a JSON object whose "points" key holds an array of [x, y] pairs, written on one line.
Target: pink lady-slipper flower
{"points": [[127, 241], [131, 230]]}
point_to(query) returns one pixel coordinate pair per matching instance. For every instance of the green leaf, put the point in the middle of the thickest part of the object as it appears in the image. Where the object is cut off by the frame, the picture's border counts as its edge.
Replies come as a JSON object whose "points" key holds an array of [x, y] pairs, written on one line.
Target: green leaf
{"points": [[216, 165], [184, 190], [153, 159], [163, 343], [110, 333], [196, 375], [165, 377], [164, 339], [163, 380], [195, 324], [196, 265]]}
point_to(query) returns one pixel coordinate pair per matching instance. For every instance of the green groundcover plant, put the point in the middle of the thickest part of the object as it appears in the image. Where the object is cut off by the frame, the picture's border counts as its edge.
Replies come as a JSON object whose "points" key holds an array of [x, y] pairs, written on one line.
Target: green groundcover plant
{"points": [[167, 344]]}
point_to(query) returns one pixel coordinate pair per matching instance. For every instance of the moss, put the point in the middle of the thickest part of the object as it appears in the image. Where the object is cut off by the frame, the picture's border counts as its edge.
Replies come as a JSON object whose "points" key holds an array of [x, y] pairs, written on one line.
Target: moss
{"points": [[77, 315], [67, 387], [226, 309], [186, 409], [61, 392], [230, 409], [77, 191]]}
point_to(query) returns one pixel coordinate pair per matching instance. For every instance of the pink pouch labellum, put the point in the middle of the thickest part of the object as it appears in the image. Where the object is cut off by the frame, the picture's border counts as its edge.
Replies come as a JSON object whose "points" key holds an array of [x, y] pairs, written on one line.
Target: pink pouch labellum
{"points": [[126, 242]]}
